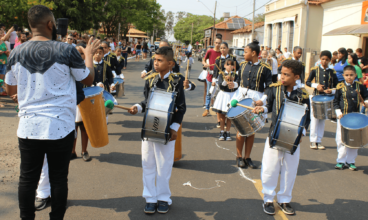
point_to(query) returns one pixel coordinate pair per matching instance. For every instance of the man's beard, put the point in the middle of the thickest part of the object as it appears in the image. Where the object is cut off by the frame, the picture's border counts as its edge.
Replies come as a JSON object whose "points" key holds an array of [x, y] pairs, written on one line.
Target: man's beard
{"points": [[54, 33]]}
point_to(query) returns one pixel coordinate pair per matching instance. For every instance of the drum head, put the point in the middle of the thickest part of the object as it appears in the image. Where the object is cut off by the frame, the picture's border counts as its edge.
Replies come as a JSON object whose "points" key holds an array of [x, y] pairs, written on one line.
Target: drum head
{"points": [[92, 91], [107, 96], [235, 111], [323, 98], [116, 80], [354, 121]]}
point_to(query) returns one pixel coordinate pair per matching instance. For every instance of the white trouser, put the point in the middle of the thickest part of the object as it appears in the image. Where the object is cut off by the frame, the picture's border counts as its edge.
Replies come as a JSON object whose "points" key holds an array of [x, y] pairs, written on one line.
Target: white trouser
{"points": [[157, 163], [275, 162], [344, 154], [43, 189], [317, 126]]}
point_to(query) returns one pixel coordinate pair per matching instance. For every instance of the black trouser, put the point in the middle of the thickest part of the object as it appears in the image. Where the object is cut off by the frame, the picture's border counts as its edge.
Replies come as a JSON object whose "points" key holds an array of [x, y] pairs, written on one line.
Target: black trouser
{"points": [[274, 78], [32, 154]]}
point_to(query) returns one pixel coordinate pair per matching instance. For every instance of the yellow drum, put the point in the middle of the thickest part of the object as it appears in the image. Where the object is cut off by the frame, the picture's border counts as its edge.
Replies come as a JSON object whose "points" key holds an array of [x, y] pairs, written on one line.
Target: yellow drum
{"points": [[92, 109], [177, 154]]}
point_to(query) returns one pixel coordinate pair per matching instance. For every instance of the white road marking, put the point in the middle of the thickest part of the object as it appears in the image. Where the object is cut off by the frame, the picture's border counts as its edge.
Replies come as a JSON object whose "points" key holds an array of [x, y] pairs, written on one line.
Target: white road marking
{"points": [[217, 185]]}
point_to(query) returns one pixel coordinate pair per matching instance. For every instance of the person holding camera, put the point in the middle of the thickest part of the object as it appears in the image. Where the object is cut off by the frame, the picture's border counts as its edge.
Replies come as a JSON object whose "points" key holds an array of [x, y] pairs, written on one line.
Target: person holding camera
{"points": [[43, 73]]}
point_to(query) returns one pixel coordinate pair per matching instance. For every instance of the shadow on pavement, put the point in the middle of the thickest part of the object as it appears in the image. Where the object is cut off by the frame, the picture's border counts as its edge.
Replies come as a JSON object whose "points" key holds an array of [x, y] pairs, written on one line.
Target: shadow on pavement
{"points": [[182, 208], [340, 209], [209, 166], [132, 136]]}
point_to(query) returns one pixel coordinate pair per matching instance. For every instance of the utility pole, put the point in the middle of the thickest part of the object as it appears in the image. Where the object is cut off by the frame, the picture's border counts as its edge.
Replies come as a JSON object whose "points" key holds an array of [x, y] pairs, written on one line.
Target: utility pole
{"points": [[191, 35], [119, 33], [254, 8], [214, 23]]}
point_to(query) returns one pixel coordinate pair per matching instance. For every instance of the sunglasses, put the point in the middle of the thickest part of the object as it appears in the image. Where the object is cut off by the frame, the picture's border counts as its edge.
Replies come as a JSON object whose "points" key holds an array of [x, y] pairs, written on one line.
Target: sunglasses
{"points": [[70, 38]]}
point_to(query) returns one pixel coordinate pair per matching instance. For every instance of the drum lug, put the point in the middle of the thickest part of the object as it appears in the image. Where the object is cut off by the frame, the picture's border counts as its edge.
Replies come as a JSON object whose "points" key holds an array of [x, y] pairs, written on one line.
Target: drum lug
{"points": [[92, 101]]}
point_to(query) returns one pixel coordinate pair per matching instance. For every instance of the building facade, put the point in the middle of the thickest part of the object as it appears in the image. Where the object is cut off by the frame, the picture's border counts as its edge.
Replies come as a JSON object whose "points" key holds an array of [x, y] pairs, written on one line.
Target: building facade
{"points": [[290, 23], [243, 36]]}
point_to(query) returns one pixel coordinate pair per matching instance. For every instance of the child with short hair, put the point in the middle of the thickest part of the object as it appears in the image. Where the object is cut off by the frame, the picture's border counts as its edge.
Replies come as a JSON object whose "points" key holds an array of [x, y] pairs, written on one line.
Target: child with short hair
{"points": [[228, 86], [275, 161], [297, 54], [347, 100], [189, 59], [157, 158], [120, 59], [103, 74], [325, 80]]}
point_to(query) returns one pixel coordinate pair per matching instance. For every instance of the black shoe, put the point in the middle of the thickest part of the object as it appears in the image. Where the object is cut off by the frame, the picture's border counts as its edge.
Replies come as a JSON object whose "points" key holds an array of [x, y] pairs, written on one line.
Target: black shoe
{"points": [[73, 156], [240, 162], [222, 137], [266, 120], [150, 208], [250, 163], [163, 207], [286, 208], [268, 208], [228, 136], [41, 203], [86, 156]]}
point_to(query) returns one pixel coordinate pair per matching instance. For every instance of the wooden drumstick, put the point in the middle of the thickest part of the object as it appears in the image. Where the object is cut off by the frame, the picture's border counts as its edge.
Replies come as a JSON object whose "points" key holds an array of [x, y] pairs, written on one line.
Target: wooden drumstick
{"points": [[122, 107], [235, 103], [186, 74]]}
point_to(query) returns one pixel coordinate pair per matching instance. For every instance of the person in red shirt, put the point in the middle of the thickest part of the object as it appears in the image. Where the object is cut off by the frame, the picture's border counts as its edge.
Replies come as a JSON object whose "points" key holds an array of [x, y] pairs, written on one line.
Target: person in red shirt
{"points": [[211, 55]]}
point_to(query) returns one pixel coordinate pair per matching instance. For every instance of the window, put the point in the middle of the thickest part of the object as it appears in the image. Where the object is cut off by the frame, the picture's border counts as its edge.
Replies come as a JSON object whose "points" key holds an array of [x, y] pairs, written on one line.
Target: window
{"points": [[291, 36]]}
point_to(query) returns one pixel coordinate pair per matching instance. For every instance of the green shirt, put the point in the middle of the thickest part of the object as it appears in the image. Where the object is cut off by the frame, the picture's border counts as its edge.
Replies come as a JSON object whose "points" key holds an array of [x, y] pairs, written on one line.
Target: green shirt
{"points": [[3, 57], [358, 70]]}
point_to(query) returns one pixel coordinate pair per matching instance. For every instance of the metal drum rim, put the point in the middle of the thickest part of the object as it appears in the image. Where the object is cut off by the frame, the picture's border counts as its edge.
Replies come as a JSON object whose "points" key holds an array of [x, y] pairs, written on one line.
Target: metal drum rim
{"points": [[96, 94]]}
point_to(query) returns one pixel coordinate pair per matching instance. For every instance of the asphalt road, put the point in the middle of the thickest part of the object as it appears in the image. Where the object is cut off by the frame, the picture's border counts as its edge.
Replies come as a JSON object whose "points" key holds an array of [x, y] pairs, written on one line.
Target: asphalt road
{"points": [[110, 186]]}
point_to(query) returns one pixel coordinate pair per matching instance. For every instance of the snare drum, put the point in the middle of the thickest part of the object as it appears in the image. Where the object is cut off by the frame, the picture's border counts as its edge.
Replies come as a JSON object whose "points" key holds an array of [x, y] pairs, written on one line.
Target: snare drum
{"points": [[354, 130], [92, 109], [289, 126], [119, 87], [323, 107], [158, 117], [245, 122]]}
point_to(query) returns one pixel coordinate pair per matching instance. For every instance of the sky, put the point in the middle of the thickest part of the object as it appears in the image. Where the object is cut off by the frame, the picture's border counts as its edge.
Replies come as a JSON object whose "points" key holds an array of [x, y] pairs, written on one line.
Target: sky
{"points": [[235, 7]]}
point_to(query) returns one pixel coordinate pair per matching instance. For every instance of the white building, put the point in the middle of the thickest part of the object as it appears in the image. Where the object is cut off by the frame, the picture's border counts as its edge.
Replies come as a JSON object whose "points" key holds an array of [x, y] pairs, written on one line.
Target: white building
{"points": [[344, 25], [243, 36]]}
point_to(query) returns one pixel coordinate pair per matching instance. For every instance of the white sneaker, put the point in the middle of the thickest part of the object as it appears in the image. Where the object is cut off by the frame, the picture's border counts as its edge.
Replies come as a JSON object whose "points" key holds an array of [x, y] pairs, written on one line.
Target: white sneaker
{"points": [[313, 146], [228, 137], [320, 146]]}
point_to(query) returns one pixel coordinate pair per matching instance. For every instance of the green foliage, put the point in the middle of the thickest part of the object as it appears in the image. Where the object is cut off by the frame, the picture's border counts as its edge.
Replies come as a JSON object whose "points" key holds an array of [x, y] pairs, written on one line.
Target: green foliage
{"points": [[183, 28], [15, 11]]}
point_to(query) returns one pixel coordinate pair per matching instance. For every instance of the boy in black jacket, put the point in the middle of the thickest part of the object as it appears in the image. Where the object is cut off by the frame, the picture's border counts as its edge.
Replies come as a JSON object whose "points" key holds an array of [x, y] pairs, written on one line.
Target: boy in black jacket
{"points": [[274, 161], [157, 158], [347, 99]]}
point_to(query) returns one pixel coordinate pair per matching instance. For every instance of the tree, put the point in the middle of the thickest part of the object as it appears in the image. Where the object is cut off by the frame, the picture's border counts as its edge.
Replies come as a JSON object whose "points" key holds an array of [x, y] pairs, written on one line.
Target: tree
{"points": [[15, 11], [183, 28], [259, 18], [180, 15], [169, 28]]}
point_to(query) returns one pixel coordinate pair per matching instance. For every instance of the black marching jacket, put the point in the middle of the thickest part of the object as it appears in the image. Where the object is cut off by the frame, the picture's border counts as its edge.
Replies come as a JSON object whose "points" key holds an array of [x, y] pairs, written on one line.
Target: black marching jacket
{"points": [[167, 84], [113, 63], [347, 98], [221, 79], [255, 76], [220, 63], [275, 98], [103, 74], [327, 78]]}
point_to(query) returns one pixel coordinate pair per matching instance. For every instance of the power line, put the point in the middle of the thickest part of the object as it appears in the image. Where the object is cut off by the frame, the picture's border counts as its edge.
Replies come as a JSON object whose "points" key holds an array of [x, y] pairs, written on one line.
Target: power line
{"points": [[233, 6], [257, 9]]}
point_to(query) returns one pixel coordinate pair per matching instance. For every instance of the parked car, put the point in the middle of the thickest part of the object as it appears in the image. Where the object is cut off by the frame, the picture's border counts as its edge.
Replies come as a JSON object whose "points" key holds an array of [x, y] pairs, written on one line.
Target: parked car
{"points": [[239, 54], [153, 47]]}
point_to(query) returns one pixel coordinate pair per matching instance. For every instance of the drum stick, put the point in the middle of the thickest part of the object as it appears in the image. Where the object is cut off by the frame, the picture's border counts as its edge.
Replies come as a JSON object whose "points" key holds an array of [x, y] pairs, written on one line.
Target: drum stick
{"points": [[244, 106], [122, 107], [186, 74]]}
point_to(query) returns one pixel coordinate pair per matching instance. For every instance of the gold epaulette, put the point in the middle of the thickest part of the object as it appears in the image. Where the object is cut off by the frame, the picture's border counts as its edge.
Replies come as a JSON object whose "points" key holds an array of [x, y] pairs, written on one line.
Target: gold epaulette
{"points": [[305, 94], [153, 75], [218, 58], [112, 54], [266, 65], [244, 62], [289, 58], [153, 57], [276, 84], [334, 71], [314, 68], [359, 82], [303, 63], [340, 85], [177, 74]]}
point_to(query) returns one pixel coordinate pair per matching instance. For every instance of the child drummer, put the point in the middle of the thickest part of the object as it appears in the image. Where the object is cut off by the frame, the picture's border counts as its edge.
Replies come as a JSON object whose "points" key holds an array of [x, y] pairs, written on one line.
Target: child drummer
{"points": [[158, 159], [325, 80], [348, 96], [274, 161], [228, 86], [103, 73], [254, 78]]}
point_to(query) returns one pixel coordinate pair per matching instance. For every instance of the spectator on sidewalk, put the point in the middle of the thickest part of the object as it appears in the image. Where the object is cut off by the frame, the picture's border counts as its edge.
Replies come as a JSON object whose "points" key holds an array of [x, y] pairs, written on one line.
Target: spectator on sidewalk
{"points": [[70, 40]]}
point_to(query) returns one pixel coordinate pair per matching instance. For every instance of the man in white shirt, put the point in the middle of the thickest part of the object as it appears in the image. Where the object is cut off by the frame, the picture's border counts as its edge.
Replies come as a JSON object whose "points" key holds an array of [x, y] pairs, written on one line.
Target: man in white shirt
{"points": [[112, 45], [69, 40], [43, 74], [286, 53]]}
